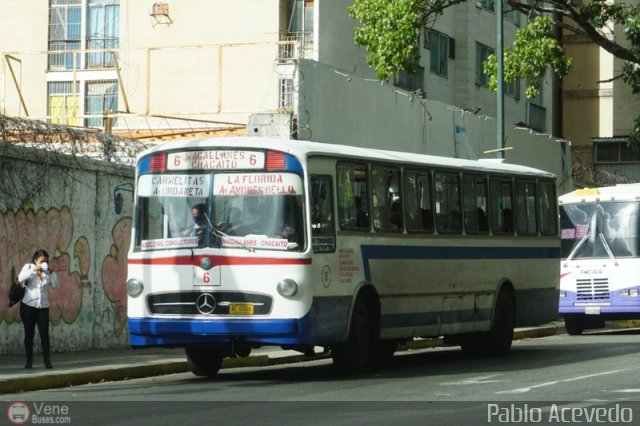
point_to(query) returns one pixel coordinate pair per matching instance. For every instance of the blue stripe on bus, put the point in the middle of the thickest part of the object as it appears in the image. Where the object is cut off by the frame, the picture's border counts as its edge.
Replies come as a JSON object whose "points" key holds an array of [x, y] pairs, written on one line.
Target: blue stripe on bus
{"points": [[166, 332], [396, 252]]}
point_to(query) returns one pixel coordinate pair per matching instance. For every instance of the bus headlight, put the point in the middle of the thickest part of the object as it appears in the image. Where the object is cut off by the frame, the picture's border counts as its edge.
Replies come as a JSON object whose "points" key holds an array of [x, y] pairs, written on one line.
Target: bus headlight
{"points": [[633, 292], [134, 287], [287, 287], [563, 293]]}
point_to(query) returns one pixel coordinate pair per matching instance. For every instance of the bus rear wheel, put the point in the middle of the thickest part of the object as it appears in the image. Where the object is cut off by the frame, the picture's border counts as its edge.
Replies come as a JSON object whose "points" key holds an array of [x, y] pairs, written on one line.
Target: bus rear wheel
{"points": [[203, 360], [355, 355], [498, 340]]}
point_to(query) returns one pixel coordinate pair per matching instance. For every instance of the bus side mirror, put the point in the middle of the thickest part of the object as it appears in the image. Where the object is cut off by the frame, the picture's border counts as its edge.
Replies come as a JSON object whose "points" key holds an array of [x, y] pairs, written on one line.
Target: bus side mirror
{"points": [[118, 199], [118, 202]]}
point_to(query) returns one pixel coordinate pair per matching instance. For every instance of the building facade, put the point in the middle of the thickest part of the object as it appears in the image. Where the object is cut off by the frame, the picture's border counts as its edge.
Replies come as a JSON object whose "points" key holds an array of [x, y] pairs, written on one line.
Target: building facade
{"points": [[599, 111], [126, 64]]}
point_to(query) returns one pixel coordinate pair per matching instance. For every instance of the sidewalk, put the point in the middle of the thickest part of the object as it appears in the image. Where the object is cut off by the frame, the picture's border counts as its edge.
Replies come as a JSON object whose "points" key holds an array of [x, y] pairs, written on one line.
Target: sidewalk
{"points": [[78, 368]]}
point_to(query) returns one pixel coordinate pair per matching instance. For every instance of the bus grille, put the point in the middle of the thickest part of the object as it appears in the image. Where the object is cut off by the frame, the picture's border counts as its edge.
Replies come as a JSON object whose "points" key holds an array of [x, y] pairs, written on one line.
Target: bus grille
{"points": [[592, 289], [206, 303]]}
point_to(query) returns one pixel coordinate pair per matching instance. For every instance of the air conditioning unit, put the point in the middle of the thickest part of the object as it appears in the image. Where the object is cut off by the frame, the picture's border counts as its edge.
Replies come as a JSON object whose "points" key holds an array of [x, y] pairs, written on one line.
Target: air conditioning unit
{"points": [[277, 125]]}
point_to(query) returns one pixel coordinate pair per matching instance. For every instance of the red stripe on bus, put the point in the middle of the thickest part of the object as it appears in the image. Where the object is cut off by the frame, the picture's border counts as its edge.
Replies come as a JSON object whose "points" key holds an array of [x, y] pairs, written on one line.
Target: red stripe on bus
{"points": [[219, 260]]}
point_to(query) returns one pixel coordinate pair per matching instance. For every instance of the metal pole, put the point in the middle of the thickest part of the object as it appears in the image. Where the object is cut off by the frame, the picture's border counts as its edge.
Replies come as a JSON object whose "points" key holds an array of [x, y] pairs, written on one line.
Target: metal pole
{"points": [[500, 95]]}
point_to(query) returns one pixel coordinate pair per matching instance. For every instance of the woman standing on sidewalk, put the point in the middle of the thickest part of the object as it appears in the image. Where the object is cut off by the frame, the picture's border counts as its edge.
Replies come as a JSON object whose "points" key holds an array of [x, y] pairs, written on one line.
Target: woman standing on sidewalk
{"points": [[34, 309]]}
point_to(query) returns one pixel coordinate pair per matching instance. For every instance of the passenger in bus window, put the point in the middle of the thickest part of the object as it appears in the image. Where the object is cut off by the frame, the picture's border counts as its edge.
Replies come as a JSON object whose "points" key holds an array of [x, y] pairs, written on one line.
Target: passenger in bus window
{"points": [[396, 215], [507, 220], [362, 218], [483, 223]]}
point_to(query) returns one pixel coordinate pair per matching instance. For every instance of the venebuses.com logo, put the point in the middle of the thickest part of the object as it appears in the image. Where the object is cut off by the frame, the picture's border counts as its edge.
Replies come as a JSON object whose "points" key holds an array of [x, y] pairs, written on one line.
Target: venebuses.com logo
{"points": [[20, 413]]}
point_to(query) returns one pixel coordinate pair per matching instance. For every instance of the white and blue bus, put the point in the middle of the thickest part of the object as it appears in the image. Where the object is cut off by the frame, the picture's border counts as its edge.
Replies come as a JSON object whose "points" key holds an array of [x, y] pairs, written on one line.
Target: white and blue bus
{"points": [[245, 242], [600, 232]]}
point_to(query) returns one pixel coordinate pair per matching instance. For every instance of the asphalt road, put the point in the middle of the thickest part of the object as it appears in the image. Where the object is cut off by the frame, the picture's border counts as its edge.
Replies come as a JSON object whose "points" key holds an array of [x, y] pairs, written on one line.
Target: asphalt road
{"points": [[577, 377]]}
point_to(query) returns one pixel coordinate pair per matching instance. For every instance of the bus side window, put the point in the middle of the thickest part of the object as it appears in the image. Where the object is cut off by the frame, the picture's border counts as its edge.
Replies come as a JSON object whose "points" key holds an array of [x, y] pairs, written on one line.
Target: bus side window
{"points": [[321, 206], [418, 203], [448, 204], [385, 190], [474, 191], [353, 197], [501, 206], [548, 208]]}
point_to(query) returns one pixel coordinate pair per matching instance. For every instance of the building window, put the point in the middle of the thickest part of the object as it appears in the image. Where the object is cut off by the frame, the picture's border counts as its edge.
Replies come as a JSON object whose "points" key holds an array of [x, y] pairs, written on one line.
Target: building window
{"points": [[101, 98], [410, 82], [537, 114], [64, 32], [485, 5], [442, 48], [513, 88], [103, 29], [62, 103], [614, 150], [482, 53], [285, 94], [511, 15]]}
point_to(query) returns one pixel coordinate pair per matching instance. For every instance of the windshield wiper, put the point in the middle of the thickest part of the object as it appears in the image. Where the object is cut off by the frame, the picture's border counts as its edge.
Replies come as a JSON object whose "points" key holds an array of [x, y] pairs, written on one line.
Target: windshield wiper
{"points": [[218, 233], [237, 240], [586, 236], [608, 249]]}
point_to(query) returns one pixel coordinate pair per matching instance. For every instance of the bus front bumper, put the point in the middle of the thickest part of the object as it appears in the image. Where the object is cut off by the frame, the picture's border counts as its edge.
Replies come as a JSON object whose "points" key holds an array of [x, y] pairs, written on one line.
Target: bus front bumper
{"points": [[144, 332]]}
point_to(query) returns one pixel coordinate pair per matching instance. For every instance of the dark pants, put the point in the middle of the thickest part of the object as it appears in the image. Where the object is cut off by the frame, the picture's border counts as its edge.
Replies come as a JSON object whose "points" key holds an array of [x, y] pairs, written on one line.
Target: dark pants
{"points": [[30, 318]]}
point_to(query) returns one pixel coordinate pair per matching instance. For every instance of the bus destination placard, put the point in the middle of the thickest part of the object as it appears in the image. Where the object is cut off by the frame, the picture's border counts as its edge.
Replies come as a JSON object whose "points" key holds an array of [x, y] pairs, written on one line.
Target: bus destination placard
{"points": [[215, 160]]}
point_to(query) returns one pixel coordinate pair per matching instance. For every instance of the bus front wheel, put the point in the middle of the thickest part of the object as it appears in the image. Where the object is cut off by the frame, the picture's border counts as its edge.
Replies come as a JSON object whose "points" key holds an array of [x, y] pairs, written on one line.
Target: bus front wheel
{"points": [[574, 324], [354, 355], [204, 361]]}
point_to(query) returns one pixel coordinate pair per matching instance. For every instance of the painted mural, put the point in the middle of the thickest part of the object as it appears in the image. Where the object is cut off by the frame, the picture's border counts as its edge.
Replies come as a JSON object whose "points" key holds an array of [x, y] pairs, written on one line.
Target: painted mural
{"points": [[114, 272], [24, 231]]}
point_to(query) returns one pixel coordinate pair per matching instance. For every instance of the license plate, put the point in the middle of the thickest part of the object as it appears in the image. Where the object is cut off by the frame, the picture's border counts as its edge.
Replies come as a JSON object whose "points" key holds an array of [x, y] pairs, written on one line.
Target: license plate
{"points": [[592, 310], [241, 309]]}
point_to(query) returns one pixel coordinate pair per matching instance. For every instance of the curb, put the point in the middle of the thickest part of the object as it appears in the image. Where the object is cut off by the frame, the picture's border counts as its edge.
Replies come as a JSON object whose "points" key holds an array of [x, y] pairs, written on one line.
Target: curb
{"points": [[116, 373]]}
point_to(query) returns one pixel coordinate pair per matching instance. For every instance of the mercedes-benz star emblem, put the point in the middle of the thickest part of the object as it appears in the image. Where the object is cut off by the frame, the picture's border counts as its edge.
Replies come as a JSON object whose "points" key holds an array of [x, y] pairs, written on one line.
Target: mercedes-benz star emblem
{"points": [[206, 303]]}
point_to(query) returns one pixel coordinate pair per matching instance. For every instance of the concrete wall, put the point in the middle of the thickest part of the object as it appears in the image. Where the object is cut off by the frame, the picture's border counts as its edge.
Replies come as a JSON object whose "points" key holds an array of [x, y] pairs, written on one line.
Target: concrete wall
{"points": [[66, 206], [345, 108]]}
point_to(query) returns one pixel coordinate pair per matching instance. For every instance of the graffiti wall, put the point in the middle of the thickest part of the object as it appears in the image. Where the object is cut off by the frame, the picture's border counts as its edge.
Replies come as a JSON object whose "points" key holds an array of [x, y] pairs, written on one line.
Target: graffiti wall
{"points": [[66, 206]]}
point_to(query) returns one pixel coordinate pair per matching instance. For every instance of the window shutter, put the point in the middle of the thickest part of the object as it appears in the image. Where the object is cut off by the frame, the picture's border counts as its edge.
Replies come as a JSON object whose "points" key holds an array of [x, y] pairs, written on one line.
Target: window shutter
{"points": [[452, 48]]}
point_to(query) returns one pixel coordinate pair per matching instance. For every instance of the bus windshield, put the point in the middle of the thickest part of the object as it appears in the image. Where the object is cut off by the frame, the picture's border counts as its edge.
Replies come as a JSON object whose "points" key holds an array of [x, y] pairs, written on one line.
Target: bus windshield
{"points": [[242, 210], [600, 230]]}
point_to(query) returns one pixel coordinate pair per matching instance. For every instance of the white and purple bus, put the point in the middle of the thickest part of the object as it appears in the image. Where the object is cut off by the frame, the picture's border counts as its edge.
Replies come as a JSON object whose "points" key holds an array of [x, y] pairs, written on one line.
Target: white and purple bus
{"points": [[245, 242], [600, 231]]}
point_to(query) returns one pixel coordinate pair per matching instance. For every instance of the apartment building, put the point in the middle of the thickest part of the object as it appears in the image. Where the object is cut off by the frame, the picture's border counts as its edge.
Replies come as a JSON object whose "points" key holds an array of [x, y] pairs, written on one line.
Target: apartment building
{"points": [[599, 111], [126, 64]]}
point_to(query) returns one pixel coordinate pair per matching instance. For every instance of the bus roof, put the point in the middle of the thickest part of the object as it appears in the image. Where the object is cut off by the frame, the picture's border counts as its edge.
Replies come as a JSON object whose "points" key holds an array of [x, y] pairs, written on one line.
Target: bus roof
{"points": [[304, 149], [620, 192]]}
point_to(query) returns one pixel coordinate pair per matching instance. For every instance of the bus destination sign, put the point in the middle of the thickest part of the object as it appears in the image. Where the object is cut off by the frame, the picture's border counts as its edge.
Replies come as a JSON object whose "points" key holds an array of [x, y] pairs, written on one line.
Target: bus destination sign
{"points": [[215, 160]]}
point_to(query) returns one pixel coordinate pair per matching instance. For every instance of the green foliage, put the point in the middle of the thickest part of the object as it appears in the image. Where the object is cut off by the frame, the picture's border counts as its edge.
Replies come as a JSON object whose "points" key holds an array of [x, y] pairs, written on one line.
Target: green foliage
{"points": [[534, 49], [390, 32]]}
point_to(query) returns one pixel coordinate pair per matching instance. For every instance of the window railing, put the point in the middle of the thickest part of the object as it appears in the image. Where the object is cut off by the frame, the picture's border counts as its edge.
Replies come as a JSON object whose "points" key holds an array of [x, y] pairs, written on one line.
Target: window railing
{"points": [[297, 45]]}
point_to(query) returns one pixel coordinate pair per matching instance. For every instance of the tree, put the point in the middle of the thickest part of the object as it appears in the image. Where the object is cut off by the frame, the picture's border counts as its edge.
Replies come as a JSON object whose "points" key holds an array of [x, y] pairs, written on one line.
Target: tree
{"points": [[390, 32]]}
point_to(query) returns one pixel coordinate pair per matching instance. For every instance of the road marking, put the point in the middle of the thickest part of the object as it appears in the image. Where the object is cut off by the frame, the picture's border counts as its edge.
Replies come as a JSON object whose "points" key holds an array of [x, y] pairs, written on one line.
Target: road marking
{"points": [[474, 380], [555, 382]]}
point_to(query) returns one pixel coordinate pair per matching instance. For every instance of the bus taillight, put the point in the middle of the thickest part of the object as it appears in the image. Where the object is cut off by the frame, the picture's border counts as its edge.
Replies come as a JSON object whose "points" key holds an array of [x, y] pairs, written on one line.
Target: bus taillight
{"points": [[275, 160], [158, 162]]}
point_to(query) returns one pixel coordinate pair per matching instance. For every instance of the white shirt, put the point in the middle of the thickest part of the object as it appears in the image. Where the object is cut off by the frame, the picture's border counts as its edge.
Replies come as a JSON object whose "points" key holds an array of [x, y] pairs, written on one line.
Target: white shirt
{"points": [[35, 294]]}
